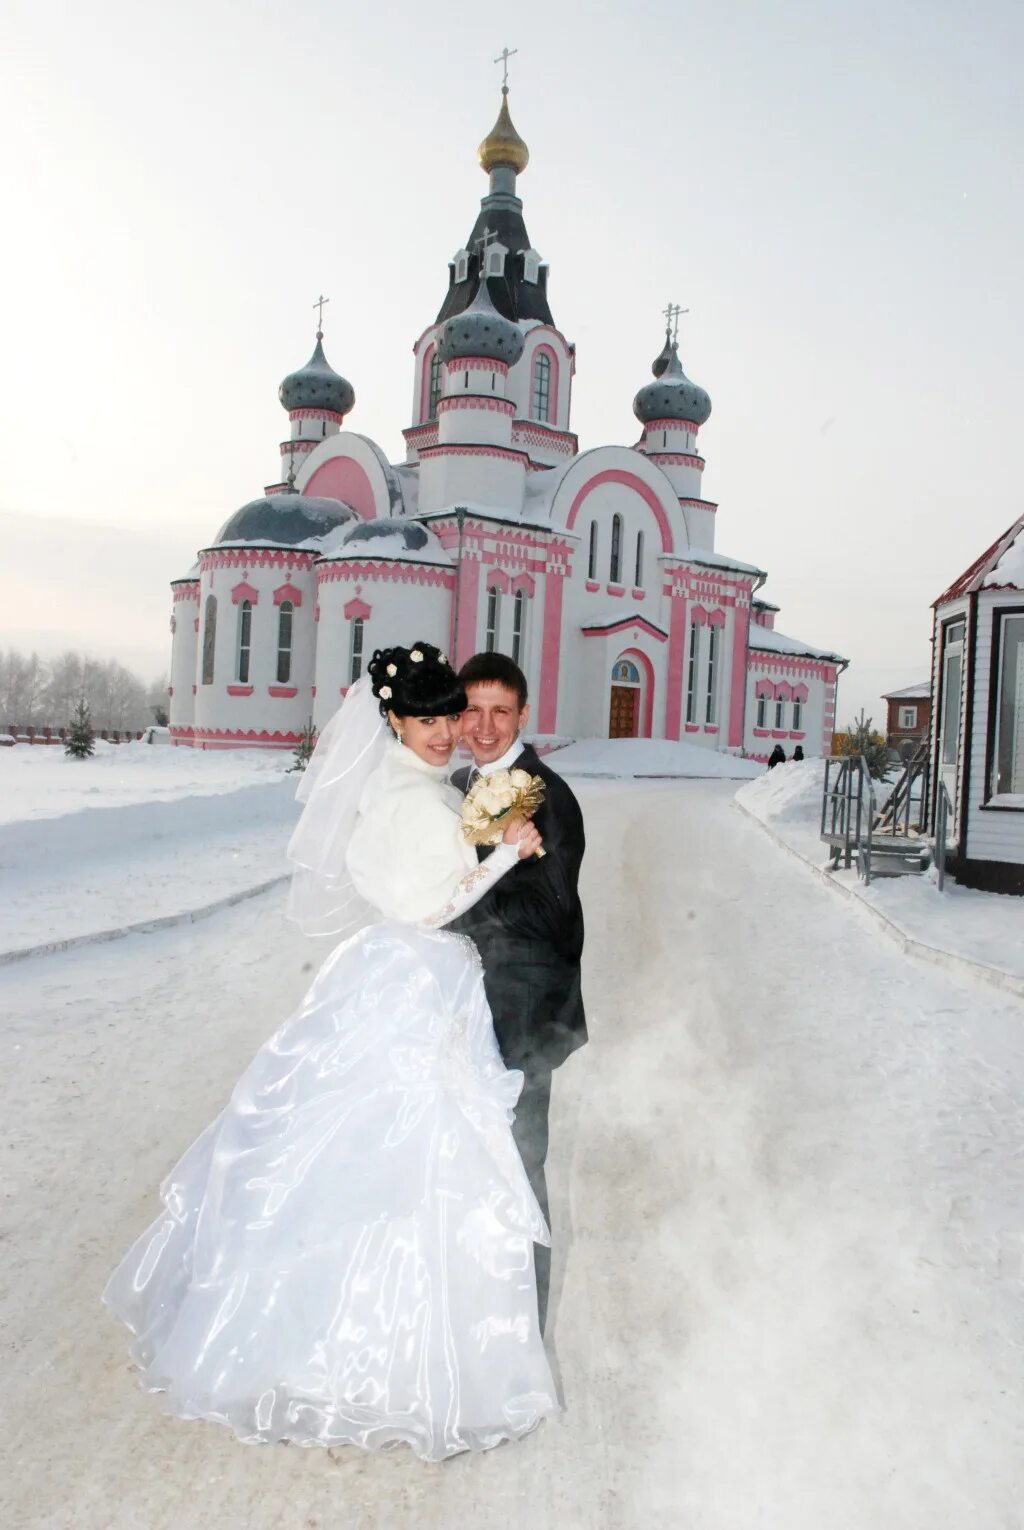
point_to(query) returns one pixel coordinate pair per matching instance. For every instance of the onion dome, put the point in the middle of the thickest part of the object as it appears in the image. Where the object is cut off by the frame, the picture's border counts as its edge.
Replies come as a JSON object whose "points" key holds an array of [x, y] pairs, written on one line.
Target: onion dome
{"points": [[393, 539], [672, 396], [317, 385], [284, 520], [480, 330], [503, 145]]}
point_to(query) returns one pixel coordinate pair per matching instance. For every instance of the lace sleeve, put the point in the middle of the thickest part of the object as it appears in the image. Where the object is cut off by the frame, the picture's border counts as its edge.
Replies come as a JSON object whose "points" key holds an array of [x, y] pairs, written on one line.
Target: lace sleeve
{"points": [[474, 885]]}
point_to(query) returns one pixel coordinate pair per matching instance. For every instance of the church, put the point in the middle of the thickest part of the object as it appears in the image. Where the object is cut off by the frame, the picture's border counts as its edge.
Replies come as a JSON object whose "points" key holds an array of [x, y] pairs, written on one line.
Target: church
{"points": [[597, 570]]}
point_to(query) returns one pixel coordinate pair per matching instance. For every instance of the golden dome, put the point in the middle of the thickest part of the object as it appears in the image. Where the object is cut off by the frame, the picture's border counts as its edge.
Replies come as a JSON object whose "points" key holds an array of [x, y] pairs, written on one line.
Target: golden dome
{"points": [[503, 145]]}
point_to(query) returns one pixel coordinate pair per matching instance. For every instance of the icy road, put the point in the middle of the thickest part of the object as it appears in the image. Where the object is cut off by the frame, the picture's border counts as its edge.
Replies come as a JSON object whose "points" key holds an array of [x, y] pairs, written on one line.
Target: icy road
{"points": [[787, 1199]]}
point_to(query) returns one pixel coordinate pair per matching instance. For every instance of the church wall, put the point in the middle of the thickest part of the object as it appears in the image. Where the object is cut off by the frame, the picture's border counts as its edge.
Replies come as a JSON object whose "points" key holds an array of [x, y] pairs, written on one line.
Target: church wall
{"points": [[783, 678], [544, 338], [184, 646], [478, 475]]}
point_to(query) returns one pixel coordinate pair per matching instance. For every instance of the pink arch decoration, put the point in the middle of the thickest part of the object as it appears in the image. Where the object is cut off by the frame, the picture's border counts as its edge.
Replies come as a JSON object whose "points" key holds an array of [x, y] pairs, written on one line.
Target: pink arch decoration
{"points": [[428, 356], [764, 688], [244, 591], [356, 607], [524, 582], [342, 478], [648, 670], [628, 481], [288, 592], [497, 579], [546, 350]]}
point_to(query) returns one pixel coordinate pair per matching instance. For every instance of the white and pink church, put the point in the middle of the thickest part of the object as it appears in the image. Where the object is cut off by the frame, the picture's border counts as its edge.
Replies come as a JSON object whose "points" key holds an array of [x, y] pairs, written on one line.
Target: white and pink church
{"points": [[596, 570]]}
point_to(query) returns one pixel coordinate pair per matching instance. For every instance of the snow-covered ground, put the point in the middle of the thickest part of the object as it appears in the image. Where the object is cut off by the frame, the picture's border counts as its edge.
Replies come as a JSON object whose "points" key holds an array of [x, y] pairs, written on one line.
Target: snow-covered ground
{"points": [[649, 757], [786, 1182], [972, 926]]}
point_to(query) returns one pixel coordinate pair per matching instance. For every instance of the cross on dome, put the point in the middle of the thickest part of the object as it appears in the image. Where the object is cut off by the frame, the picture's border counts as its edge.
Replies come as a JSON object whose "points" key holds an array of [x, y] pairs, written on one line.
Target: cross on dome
{"points": [[503, 58], [483, 243], [672, 313], [319, 306]]}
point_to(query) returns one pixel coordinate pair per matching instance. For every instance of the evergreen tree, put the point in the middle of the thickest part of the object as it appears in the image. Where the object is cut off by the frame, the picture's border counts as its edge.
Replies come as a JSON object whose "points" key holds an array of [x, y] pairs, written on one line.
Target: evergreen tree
{"points": [[860, 738], [80, 740], [304, 748]]}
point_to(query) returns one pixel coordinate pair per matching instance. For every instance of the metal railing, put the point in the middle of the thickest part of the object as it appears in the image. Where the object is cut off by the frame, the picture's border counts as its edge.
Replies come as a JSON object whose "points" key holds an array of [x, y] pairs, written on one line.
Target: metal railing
{"points": [[848, 812], [905, 814], [943, 819]]}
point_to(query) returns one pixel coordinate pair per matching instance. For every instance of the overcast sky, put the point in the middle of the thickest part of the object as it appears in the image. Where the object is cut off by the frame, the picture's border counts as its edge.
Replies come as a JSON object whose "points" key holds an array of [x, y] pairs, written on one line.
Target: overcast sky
{"points": [[833, 189]]}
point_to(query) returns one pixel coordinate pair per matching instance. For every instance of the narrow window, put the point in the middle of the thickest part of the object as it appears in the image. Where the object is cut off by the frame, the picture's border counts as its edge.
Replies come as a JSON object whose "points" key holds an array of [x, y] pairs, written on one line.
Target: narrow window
{"points": [[797, 713], [615, 568], [709, 711], [244, 640], [691, 673], [355, 668], [323, 432], [435, 385], [519, 627], [762, 711], [496, 260], [592, 565], [638, 577], [780, 707], [209, 638], [284, 642], [461, 266], [1009, 753], [542, 386], [493, 618]]}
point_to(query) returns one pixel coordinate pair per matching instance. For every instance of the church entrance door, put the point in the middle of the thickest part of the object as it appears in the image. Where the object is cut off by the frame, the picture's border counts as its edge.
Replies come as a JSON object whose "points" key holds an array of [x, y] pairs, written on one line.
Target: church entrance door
{"points": [[624, 706]]}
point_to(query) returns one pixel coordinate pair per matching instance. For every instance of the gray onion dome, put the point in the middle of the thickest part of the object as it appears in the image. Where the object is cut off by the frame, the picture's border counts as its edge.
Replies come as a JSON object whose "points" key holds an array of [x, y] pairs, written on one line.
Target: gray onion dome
{"points": [[672, 396], [480, 330], [317, 385]]}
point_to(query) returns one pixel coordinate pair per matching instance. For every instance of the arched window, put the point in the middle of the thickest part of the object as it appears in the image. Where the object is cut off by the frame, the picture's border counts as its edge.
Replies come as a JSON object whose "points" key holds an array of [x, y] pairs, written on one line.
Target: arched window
{"points": [[244, 641], [493, 619], [592, 565], [797, 711], [541, 408], [780, 707], [691, 673], [436, 384], [615, 568], [355, 668], [762, 711], [284, 642], [638, 576], [519, 627], [461, 266], [209, 638], [710, 709]]}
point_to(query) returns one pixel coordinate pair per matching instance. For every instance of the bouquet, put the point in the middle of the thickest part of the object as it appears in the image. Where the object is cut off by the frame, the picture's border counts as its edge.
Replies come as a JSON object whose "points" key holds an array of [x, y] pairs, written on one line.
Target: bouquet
{"points": [[495, 801]]}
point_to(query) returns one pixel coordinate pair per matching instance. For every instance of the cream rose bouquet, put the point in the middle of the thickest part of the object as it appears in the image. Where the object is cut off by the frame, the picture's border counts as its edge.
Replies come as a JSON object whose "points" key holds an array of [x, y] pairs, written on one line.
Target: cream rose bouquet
{"points": [[495, 801]]}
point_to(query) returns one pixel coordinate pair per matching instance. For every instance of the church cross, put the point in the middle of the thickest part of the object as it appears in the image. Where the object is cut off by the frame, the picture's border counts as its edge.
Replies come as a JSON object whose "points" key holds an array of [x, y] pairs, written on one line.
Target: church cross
{"points": [[672, 313], [319, 306], [503, 58], [483, 243]]}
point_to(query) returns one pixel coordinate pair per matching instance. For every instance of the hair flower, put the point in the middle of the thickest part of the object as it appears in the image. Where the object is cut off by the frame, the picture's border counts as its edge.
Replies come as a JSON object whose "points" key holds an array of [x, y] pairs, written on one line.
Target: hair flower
{"points": [[385, 693], [443, 659], [416, 656], [392, 669]]}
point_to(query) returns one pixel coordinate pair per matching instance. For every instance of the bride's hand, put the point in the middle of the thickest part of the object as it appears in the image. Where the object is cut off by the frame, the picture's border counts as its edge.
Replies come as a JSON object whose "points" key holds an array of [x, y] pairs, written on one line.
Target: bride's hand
{"points": [[525, 837]]}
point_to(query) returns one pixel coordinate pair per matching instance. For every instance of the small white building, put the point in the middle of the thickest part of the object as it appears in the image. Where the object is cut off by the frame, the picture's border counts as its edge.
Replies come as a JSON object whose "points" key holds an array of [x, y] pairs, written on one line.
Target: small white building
{"points": [[978, 719], [598, 571]]}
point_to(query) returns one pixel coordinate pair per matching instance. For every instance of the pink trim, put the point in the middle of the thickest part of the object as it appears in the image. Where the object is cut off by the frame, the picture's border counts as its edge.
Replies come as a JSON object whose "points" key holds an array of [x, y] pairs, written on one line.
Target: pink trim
{"points": [[678, 459], [390, 572], [255, 557], [710, 727], [300, 445], [497, 579], [616, 589], [317, 414], [195, 625], [240, 690], [797, 735], [592, 586], [343, 478], [676, 648], [628, 481], [174, 624], [790, 663], [639, 594], [427, 432], [428, 356], [648, 688], [313, 690], [473, 450], [761, 732], [553, 377], [316, 612], [484, 401], [699, 615], [783, 691], [237, 738], [737, 698], [692, 727], [550, 655], [716, 619], [800, 693], [625, 625], [245, 591], [354, 608], [476, 364], [188, 591], [779, 733], [764, 688], [524, 582], [468, 602], [283, 690], [690, 425], [288, 592], [700, 504]]}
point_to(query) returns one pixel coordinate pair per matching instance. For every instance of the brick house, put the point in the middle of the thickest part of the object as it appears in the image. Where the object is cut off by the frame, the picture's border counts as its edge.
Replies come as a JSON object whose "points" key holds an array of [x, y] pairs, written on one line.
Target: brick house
{"points": [[909, 718]]}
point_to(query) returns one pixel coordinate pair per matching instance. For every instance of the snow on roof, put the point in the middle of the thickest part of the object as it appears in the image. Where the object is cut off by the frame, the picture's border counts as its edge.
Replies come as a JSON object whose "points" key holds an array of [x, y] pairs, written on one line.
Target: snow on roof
{"points": [[973, 578], [1008, 572], [705, 558], [919, 692], [392, 539], [764, 605], [768, 640], [190, 577], [620, 619]]}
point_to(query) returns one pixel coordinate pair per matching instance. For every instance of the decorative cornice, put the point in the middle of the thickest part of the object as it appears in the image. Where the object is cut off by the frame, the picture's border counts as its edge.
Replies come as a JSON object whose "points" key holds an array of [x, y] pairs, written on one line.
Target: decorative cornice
{"points": [[690, 425], [288, 592], [241, 735], [316, 414], [182, 591], [536, 433], [700, 504], [288, 448], [255, 557], [789, 663], [476, 364], [677, 459], [245, 591], [391, 572], [482, 401], [474, 450]]}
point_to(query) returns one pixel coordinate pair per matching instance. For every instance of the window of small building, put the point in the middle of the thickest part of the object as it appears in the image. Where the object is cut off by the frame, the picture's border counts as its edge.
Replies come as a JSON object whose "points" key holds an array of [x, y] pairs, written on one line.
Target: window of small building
{"points": [[908, 717], [284, 642], [1008, 772], [615, 565], [244, 642], [493, 620], [209, 638], [355, 667]]}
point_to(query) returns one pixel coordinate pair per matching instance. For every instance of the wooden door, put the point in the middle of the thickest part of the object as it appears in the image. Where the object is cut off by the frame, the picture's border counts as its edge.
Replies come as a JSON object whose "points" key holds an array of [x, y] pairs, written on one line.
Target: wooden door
{"points": [[622, 715]]}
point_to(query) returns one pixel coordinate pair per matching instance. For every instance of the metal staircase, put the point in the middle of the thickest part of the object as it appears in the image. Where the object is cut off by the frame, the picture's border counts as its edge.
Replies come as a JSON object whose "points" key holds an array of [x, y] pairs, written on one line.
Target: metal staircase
{"points": [[884, 842]]}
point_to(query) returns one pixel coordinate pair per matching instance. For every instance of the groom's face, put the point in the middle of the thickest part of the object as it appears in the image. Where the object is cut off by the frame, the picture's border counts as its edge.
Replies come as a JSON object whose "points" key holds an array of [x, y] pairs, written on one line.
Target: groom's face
{"points": [[491, 720]]}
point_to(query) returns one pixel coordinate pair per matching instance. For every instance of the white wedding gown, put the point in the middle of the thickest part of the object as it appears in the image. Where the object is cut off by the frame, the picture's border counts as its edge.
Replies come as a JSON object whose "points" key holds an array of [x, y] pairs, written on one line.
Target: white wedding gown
{"points": [[345, 1255]]}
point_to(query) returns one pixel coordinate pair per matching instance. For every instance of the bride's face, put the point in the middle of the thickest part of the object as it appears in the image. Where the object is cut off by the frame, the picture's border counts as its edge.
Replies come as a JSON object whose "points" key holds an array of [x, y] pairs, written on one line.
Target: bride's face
{"points": [[432, 738]]}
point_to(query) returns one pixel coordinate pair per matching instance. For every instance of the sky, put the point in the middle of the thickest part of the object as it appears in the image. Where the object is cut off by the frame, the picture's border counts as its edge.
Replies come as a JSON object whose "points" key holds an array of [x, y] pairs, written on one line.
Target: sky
{"points": [[834, 190]]}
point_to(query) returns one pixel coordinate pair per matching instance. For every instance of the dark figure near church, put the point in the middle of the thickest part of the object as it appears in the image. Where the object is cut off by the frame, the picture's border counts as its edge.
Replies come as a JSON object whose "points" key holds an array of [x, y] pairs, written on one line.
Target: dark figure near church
{"points": [[798, 752], [529, 927], [777, 757]]}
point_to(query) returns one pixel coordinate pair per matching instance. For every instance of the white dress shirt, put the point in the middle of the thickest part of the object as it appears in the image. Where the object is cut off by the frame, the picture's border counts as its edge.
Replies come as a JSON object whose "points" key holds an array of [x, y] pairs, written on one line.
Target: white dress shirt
{"points": [[506, 761]]}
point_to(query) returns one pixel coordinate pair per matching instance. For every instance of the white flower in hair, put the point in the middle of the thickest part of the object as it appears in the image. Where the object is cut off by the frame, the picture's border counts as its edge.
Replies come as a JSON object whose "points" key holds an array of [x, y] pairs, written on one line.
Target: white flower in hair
{"points": [[416, 656], [443, 659], [385, 693], [392, 669]]}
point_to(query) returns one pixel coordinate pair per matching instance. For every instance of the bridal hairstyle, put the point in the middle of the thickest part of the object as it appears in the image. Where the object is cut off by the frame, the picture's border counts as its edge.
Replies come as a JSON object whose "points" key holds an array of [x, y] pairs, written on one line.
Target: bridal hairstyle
{"points": [[416, 682]]}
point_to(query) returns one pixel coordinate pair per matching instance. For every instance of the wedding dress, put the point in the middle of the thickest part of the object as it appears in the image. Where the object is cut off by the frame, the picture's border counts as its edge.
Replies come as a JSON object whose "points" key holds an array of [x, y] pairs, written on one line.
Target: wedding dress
{"points": [[345, 1255]]}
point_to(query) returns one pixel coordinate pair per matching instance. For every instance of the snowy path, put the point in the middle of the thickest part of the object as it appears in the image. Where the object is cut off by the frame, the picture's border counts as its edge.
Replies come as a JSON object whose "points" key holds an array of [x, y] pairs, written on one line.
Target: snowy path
{"points": [[786, 1194]]}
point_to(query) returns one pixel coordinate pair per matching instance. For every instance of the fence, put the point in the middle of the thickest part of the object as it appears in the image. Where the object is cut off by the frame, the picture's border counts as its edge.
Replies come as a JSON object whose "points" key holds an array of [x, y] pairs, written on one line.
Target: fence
{"points": [[37, 735]]}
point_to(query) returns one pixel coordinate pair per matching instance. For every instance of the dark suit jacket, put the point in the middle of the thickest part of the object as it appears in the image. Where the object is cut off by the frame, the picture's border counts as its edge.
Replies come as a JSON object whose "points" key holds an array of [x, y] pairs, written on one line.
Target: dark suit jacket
{"points": [[529, 932]]}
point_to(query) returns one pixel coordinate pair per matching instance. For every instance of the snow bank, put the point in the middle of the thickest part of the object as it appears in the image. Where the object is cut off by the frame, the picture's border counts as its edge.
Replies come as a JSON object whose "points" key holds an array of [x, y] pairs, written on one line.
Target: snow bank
{"points": [[790, 792], [623, 757]]}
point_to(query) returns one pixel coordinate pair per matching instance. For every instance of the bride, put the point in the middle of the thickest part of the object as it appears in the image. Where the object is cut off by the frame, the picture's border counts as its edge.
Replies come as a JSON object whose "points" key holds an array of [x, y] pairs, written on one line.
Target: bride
{"points": [[345, 1255]]}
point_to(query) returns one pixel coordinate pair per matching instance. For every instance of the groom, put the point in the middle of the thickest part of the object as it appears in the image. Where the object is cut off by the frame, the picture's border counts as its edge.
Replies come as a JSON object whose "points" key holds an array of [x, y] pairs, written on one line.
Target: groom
{"points": [[529, 927]]}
